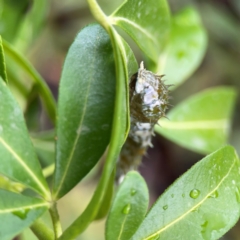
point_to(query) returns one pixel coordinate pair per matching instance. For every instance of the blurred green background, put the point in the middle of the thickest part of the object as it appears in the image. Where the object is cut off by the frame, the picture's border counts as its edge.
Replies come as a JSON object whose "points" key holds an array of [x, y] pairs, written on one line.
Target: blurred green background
{"points": [[45, 37]]}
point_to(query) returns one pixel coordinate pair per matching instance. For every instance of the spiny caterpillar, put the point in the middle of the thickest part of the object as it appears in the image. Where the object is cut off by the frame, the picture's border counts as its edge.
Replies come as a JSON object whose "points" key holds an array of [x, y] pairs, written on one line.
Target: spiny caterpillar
{"points": [[148, 103]]}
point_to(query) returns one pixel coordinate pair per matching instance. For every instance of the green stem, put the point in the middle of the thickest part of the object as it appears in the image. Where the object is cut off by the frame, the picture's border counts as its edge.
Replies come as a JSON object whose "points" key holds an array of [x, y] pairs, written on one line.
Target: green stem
{"points": [[46, 95], [98, 13], [55, 220], [89, 214], [41, 231]]}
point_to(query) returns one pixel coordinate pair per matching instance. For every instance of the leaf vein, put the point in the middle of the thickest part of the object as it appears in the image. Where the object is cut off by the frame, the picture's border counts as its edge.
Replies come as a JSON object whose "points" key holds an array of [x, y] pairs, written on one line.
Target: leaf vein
{"points": [[115, 20], [25, 166], [9, 210], [194, 207]]}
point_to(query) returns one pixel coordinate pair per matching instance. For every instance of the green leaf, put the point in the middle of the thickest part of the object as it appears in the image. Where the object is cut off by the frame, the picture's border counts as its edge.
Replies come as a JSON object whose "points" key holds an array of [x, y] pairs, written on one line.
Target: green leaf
{"points": [[147, 22], [85, 110], [202, 204], [17, 212], [32, 24], [44, 91], [45, 150], [18, 160], [11, 16], [125, 64], [186, 47], [128, 209], [3, 73], [200, 123]]}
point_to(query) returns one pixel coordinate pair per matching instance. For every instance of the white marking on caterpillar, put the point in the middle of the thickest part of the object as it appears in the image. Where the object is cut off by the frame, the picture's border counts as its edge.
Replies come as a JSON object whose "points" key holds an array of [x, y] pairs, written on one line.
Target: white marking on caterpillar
{"points": [[148, 103]]}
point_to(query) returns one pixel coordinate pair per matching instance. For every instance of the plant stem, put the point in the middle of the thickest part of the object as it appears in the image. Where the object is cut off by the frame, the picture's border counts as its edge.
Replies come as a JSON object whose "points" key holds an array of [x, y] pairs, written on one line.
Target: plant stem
{"points": [[41, 231], [55, 220], [98, 13]]}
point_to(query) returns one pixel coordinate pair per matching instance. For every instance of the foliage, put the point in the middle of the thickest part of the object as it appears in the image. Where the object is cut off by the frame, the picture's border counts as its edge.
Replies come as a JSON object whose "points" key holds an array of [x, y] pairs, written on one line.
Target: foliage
{"points": [[92, 120]]}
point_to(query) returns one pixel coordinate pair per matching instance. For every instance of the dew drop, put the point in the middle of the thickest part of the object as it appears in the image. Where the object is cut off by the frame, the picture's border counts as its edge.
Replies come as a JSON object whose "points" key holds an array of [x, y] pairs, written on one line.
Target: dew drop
{"points": [[214, 195], [21, 213], [157, 237], [233, 182], [183, 195], [126, 209], [133, 191], [165, 207], [194, 193], [172, 195]]}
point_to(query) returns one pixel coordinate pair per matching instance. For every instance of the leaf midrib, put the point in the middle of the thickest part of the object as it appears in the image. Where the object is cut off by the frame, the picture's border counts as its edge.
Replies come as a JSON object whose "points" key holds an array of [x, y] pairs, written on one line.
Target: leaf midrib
{"points": [[115, 20], [122, 227], [30, 207], [204, 124], [25, 166], [194, 207], [76, 139]]}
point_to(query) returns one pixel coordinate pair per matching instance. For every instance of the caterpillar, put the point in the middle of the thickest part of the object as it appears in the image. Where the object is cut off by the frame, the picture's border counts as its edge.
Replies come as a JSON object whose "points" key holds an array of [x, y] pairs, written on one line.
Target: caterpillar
{"points": [[148, 96]]}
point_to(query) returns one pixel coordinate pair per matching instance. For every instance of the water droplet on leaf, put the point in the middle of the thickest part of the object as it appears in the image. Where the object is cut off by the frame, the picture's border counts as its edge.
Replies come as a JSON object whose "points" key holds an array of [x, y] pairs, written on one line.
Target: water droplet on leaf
{"points": [[127, 209], [21, 213], [133, 191], [214, 194], [165, 207], [194, 193], [157, 237]]}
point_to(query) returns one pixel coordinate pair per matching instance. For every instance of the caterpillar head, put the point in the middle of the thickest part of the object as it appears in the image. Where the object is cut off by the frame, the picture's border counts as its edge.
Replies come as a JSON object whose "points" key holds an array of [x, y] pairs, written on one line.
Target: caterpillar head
{"points": [[148, 96]]}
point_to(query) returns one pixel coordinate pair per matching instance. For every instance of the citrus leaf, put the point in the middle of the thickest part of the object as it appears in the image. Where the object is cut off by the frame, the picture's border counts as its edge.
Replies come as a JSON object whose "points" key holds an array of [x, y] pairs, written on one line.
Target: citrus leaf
{"points": [[202, 204], [125, 64], [186, 47], [85, 108], [3, 73], [200, 123], [17, 212], [18, 160], [147, 22], [128, 209]]}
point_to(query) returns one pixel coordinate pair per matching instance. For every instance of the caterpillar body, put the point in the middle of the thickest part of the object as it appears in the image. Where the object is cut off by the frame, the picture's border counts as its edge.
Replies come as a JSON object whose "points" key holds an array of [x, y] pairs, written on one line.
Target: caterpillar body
{"points": [[148, 103]]}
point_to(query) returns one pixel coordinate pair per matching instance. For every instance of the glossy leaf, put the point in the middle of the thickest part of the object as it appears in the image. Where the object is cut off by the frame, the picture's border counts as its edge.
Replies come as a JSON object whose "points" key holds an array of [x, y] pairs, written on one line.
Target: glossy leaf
{"points": [[202, 204], [18, 160], [3, 73], [147, 22], [128, 209], [17, 212], [125, 64], [200, 123], [85, 110], [186, 47]]}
